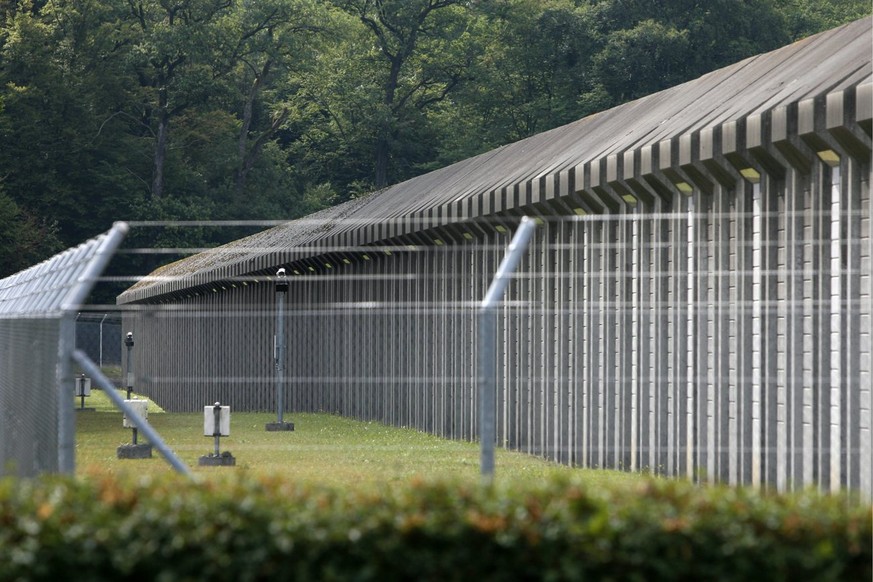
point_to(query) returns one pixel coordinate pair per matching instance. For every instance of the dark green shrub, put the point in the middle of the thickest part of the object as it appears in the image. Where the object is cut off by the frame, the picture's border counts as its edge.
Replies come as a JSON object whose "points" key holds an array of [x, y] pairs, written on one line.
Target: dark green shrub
{"points": [[245, 529]]}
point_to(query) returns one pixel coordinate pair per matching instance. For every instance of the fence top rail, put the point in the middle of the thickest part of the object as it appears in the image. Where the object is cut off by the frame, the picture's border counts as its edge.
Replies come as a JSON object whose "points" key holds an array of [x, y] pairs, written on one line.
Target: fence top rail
{"points": [[60, 284]]}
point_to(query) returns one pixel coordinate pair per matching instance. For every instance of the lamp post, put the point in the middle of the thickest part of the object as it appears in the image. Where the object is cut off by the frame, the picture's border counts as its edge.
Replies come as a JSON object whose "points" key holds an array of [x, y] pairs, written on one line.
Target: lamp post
{"points": [[128, 341], [279, 354]]}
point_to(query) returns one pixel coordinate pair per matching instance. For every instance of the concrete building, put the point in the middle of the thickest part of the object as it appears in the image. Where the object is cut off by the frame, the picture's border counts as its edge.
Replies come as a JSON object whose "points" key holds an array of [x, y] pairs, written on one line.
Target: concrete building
{"points": [[697, 300]]}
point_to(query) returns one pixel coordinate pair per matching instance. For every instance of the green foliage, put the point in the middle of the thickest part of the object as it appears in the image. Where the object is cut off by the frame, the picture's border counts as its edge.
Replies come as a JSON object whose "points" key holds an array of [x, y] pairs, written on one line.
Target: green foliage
{"points": [[24, 239], [106, 528], [807, 17], [205, 109]]}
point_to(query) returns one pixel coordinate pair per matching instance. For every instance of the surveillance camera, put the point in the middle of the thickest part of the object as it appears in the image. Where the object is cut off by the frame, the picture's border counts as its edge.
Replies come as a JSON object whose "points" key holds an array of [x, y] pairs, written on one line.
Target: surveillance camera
{"points": [[130, 334], [280, 272]]}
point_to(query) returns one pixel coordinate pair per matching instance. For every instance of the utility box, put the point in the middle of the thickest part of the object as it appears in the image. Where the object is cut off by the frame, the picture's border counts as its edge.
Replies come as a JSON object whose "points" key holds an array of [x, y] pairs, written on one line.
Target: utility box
{"points": [[140, 408], [83, 390], [83, 386], [209, 419], [216, 423]]}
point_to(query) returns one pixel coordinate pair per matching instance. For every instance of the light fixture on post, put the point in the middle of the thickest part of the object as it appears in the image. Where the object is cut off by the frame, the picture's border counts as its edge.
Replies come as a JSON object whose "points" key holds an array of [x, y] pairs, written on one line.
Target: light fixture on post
{"points": [[279, 354], [128, 341]]}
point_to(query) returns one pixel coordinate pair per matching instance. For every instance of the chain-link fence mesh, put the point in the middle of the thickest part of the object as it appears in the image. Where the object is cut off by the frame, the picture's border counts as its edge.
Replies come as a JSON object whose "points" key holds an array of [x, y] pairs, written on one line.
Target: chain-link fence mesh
{"points": [[99, 336], [37, 338], [28, 396]]}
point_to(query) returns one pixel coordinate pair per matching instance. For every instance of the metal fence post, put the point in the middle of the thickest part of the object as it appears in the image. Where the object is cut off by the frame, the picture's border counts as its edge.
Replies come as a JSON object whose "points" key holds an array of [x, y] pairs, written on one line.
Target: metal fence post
{"points": [[487, 352], [80, 288], [101, 340]]}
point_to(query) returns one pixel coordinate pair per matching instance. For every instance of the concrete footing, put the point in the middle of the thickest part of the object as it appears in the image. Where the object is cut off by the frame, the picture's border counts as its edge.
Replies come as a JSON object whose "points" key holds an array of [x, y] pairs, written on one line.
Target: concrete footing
{"points": [[225, 459], [279, 426], [141, 451]]}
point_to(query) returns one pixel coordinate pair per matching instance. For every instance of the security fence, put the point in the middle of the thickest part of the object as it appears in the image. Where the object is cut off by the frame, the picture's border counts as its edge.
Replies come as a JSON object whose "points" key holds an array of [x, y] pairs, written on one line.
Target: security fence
{"points": [[38, 336], [99, 336]]}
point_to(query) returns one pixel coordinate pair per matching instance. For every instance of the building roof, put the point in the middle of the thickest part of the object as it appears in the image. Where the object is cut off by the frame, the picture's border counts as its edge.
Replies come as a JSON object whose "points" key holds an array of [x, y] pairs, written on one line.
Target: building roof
{"points": [[815, 84]]}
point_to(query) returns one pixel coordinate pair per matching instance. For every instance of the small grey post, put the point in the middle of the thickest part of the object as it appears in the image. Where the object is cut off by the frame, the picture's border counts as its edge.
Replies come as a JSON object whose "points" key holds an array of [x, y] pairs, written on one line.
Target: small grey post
{"points": [[128, 341], [279, 355], [487, 338], [101, 339], [216, 432]]}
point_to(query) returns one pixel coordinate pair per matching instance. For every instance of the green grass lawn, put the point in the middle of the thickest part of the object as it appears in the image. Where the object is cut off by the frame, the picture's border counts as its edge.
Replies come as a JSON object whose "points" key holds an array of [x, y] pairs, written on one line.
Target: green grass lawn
{"points": [[323, 449]]}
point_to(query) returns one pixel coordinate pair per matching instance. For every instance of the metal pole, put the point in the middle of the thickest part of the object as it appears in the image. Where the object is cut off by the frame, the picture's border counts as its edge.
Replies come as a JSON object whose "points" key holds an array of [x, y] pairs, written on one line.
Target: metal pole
{"points": [[101, 340], [128, 341], [281, 293], [487, 390], [487, 338], [67, 344], [66, 409], [216, 431]]}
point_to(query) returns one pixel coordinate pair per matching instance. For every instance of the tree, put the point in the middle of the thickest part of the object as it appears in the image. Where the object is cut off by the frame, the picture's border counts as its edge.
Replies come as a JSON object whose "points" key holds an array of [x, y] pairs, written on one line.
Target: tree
{"points": [[420, 45], [533, 66], [645, 46], [170, 55], [57, 77], [641, 60], [264, 42]]}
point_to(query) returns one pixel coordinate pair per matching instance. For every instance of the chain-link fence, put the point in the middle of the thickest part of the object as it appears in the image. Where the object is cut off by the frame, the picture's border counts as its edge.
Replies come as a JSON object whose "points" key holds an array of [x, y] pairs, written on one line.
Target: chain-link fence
{"points": [[38, 337], [99, 336]]}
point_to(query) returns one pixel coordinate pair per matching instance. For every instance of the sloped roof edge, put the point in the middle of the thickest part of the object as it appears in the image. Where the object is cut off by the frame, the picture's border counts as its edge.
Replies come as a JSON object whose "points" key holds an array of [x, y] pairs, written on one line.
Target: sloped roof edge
{"points": [[823, 79]]}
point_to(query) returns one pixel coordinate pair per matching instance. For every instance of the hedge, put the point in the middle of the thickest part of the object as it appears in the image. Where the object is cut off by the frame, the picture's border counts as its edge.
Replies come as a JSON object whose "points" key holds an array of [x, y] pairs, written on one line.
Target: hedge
{"points": [[242, 528]]}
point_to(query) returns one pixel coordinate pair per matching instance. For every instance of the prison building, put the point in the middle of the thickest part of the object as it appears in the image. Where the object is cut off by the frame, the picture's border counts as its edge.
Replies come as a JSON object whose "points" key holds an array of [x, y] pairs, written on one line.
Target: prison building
{"points": [[696, 300]]}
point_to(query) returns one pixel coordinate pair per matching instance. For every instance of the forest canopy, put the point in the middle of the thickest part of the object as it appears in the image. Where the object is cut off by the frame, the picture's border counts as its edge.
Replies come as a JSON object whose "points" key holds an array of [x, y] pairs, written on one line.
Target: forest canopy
{"points": [[270, 110]]}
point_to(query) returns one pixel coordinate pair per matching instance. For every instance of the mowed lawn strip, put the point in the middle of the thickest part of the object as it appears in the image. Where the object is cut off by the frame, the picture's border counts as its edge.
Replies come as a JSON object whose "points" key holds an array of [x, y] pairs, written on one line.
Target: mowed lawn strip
{"points": [[324, 449]]}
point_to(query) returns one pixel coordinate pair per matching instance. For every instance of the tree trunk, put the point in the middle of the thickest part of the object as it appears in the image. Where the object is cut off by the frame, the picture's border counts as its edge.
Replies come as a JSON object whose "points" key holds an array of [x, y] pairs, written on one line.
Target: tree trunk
{"points": [[383, 148], [251, 156], [381, 174], [160, 146], [248, 157]]}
